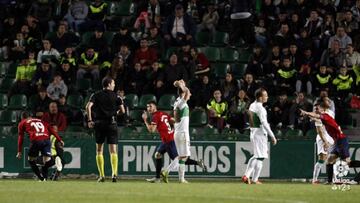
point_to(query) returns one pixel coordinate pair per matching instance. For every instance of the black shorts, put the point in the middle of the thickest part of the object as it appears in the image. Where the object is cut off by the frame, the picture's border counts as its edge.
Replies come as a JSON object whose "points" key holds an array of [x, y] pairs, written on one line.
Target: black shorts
{"points": [[106, 130], [169, 147], [43, 146]]}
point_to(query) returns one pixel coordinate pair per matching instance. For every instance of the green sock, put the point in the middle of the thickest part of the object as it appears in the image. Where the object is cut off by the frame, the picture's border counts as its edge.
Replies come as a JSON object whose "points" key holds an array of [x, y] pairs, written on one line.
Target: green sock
{"points": [[114, 164], [100, 165]]}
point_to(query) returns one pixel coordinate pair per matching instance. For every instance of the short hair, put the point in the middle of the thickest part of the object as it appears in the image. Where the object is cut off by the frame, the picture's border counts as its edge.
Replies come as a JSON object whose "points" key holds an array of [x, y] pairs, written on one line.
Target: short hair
{"points": [[106, 81], [152, 102], [25, 115], [259, 93]]}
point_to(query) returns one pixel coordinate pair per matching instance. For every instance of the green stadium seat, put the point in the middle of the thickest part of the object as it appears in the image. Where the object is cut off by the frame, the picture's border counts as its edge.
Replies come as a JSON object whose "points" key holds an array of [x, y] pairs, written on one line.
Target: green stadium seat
{"points": [[144, 99], [18, 101], [295, 133], [311, 133], [2, 69], [210, 133], [3, 101], [202, 38], [85, 38], [212, 53], [220, 39], [8, 117], [244, 56], [198, 118], [121, 8], [219, 70], [11, 71], [32, 101], [75, 101], [131, 101], [166, 102], [5, 131], [229, 55], [136, 117], [108, 37], [126, 133], [83, 85], [73, 128], [238, 70]]}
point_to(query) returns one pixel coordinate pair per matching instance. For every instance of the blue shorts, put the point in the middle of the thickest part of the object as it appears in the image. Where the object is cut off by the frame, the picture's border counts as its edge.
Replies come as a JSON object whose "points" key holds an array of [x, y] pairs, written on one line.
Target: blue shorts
{"points": [[341, 148], [44, 146], [169, 147]]}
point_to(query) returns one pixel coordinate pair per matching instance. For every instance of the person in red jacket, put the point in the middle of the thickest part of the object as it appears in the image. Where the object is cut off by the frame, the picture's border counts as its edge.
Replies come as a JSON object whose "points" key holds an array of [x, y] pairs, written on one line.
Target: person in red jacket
{"points": [[55, 118], [145, 55], [39, 133], [201, 62]]}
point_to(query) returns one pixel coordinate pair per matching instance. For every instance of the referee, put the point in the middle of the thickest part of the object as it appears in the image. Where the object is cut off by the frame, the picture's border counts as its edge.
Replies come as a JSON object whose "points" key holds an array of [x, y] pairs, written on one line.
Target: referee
{"points": [[102, 109]]}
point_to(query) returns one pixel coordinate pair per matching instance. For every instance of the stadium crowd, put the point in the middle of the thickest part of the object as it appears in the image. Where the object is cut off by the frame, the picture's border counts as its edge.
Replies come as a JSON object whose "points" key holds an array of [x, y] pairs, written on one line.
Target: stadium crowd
{"points": [[297, 49]]}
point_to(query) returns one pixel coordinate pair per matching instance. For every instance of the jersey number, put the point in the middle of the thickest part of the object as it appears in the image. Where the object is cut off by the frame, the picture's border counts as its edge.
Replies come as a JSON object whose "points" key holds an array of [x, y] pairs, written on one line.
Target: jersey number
{"points": [[166, 121], [39, 127]]}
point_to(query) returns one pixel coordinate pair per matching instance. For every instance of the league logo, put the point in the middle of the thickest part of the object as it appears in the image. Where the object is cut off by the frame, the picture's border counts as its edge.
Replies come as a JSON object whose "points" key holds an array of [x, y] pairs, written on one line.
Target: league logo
{"points": [[341, 169]]}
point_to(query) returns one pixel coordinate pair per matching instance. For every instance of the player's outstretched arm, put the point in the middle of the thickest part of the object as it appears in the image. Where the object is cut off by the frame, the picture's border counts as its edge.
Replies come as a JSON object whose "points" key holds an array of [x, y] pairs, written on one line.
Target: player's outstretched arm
{"points": [[309, 114], [150, 127]]}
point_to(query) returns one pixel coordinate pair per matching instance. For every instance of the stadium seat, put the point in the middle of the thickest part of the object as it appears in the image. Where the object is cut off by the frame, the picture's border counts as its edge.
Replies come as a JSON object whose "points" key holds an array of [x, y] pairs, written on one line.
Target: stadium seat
{"points": [[238, 70], [31, 101], [8, 117], [11, 71], [85, 38], [244, 56], [18, 101], [136, 117], [75, 101], [83, 85], [108, 37], [5, 131], [295, 133], [212, 53], [228, 55], [202, 38], [121, 8], [144, 99], [131, 101], [210, 133], [166, 102], [3, 101], [168, 52], [73, 128], [198, 118], [311, 134], [2, 69], [220, 39], [219, 70], [126, 133]]}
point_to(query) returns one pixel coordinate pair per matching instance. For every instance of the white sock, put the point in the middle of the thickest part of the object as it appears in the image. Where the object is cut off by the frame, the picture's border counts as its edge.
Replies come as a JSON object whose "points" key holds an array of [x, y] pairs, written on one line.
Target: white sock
{"points": [[173, 166], [317, 169], [250, 167], [181, 170], [258, 167]]}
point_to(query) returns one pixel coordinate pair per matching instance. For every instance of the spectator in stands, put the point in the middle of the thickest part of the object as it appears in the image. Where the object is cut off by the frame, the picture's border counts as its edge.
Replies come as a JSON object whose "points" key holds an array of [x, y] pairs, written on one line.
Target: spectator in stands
{"points": [[256, 62], [64, 108], [229, 86], [283, 36], [355, 9], [341, 37], [202, 65], [295, 120], [24, 73], [286, 76], [273, 62], [305, 41], [327, 30], [67, 72], [89, 63], [77, 14], [126, 54], [135, 80], [96, 15], [356, 70], [99, 43], [118, 72], [304, 78], [313, 27], [40, 103], [60, 9], [17, 46], [70, 56], [34, 30], [47, 52], [153, 10], [145, 55], [172, 72], [241, 22], [63, 39], [322, 80], [193, 10], [325, 93], [343, 84], [155, 40], [56, 88], [280, 111], [123, 37], [184, 56], [41, 11], [179, 27], [295, 25], [43, 75], [153, 84], [203, 87], [352, 56], [237, 115], [217, 110], [55, 118], [295, 55], [261, 32], [333, 58], [350, 25], [142, 23], [249, 86], [209, 20]]}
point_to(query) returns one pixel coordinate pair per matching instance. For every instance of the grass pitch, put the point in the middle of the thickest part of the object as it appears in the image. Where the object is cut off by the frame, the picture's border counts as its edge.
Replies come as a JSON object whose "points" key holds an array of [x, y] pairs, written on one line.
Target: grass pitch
{"points": [[86, 191]]}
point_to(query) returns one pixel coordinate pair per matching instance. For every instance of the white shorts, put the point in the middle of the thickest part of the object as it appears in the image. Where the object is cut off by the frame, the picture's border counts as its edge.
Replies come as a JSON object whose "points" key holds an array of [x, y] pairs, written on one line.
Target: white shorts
{"points": [[182, 142], [259, 142], [320, 144]]}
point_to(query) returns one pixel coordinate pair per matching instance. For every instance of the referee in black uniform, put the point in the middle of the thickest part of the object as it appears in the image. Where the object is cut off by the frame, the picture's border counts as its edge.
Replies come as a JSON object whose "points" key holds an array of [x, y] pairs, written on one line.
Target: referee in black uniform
{"points": [[102, 109]]}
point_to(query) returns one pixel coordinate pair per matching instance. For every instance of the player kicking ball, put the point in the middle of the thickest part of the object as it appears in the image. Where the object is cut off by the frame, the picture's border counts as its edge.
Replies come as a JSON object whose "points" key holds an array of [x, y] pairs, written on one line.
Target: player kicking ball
{"points": [[259, 131]]}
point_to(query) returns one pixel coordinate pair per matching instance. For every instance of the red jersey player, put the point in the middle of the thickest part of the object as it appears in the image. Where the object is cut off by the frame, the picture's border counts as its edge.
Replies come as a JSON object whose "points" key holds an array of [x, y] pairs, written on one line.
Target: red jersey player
{"points": [[39, 133], [161, 122]]}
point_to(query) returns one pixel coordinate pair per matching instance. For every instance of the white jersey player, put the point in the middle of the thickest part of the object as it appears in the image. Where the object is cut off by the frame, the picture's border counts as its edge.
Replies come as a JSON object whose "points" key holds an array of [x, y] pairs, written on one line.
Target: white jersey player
{"points": [[324, 142], [259, 131]]}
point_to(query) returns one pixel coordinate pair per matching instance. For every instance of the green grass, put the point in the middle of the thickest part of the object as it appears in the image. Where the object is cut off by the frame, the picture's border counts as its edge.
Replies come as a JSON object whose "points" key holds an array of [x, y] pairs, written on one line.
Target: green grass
{"points": [[85, 191]]}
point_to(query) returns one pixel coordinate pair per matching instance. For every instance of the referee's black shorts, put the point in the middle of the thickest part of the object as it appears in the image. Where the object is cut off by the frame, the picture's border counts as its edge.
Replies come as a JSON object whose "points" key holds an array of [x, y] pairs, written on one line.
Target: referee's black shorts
{"points": [[106, 130]]}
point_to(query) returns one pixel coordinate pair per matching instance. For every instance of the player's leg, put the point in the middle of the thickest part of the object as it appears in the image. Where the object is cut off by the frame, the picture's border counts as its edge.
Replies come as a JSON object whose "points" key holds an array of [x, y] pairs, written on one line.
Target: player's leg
{"points": [[249, 170], [330, 167], [261, 153], [45, 147], [182, 161], [112, 140], [100, 139], [32, 156], [317, 167], [158, 163], [257, 170]]}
